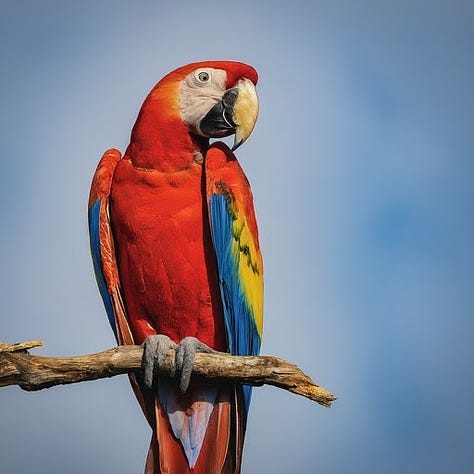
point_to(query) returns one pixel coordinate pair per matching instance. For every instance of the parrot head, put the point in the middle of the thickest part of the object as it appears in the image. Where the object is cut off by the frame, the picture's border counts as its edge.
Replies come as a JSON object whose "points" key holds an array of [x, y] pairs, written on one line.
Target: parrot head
{"points": [[212, 99], [220, 99]]}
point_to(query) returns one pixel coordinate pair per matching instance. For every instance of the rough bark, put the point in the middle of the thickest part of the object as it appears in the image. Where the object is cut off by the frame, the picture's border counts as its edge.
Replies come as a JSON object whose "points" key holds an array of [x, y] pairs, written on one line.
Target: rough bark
{"points": [[30, 372]]}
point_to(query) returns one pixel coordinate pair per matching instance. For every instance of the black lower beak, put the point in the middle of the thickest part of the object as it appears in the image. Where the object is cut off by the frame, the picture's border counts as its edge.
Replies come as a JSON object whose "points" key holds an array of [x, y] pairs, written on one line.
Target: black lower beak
{"points": [[218, 121]]}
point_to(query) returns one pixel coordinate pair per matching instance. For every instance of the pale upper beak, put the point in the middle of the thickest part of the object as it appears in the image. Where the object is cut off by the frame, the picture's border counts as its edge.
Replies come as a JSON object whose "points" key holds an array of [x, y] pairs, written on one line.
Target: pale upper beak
{"points": [[236, 113]]}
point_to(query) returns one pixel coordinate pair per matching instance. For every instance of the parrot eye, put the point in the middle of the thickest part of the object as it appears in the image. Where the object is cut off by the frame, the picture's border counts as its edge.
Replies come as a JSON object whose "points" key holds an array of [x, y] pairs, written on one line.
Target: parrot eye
{"points": [[203, 76]]}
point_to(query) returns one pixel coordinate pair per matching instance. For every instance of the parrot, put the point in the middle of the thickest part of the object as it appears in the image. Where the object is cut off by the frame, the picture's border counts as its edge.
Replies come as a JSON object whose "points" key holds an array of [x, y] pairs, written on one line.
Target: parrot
{"points": [[176, 256]]}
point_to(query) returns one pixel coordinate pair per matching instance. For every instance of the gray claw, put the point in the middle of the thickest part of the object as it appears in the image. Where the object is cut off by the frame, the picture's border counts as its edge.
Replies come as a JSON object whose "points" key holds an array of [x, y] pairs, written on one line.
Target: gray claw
{"points": [[185, 354], [155, 350]]}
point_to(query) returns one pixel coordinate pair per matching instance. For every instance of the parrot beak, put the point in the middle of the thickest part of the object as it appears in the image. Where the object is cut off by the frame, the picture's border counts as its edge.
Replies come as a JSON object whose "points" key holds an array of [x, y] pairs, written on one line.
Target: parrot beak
{"points": [[236, 113], [245, 111]]}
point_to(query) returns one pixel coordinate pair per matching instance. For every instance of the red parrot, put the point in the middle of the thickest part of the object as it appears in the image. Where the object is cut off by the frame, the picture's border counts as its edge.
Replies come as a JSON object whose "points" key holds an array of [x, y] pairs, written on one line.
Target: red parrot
{"points": [[177, 260]]}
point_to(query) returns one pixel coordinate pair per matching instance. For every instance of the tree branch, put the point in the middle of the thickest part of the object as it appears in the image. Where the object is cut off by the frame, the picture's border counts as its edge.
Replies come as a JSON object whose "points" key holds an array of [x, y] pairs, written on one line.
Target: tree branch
{"points": [[30, 372]]}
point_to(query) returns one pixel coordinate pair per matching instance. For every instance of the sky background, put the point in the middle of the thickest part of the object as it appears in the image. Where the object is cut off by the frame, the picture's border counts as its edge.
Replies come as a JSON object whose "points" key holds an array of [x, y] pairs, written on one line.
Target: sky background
{"points": [[361, 165]]}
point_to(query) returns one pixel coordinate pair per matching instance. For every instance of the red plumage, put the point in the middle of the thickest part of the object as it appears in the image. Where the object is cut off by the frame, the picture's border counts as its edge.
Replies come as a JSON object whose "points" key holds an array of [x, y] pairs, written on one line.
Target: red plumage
{"points": [[165, 254]]}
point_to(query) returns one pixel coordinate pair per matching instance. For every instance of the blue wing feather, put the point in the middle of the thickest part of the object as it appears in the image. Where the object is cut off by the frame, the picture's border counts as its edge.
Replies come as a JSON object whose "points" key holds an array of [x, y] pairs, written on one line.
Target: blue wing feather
{"points": [[94, 222], [242, 335], [241, 331]]}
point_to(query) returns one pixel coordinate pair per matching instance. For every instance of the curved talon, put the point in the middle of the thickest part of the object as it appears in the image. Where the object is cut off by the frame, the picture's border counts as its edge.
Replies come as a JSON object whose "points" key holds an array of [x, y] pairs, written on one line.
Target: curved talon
{"points": [[184, 359], [155, 350]]}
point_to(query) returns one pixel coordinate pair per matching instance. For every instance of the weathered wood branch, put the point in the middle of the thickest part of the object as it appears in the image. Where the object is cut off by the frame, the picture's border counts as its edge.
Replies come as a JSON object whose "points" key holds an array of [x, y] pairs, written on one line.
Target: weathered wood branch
{"points": [[31, 372]]}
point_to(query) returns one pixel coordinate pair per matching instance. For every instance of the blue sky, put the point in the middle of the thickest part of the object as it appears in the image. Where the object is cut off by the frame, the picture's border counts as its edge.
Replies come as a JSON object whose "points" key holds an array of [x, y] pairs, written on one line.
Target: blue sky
{"points": [[361, 166]]}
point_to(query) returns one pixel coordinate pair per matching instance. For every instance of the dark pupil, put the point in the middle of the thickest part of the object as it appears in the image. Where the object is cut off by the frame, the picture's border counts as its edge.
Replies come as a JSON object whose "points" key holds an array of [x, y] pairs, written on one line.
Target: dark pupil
{"points": [[203, 76]]}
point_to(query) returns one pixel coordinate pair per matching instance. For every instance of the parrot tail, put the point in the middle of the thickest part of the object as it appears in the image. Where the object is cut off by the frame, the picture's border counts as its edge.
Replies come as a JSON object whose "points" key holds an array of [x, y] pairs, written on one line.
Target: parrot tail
{"points": [[201, 432]]}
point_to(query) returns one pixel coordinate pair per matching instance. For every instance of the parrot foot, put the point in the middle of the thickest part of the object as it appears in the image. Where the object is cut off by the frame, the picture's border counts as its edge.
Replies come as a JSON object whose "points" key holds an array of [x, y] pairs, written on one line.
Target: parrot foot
{"points": [[185, 354], [156, 349]]}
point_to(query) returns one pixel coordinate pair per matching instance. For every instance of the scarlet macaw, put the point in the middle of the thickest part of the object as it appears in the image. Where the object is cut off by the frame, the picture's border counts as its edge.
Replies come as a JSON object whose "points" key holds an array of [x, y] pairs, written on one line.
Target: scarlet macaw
{"points": [[175, 250]]}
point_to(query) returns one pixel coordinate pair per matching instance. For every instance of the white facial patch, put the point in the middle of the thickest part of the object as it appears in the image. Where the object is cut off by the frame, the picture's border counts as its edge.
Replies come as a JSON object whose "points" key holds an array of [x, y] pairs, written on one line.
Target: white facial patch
{"points": [[199, 92]]}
